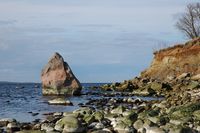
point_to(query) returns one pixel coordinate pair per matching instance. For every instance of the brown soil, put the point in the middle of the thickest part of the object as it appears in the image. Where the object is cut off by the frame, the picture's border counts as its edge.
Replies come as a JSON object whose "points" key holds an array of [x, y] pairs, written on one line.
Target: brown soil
{"points": [[175, 60]]}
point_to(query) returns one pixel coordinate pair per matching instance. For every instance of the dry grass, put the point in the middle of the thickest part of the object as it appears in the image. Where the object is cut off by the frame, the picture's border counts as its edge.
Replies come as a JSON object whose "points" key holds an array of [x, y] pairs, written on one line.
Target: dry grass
{"points": [[191, 47]]}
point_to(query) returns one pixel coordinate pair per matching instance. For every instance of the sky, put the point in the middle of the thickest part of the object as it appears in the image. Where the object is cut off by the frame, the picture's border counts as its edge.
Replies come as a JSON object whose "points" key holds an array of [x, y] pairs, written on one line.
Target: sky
{"points": [[101, 40]]}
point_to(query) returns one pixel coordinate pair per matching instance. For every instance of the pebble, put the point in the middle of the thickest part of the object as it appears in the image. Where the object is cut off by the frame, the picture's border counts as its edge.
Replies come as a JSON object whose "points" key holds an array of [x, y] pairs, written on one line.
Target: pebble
{"points": [[57, 114], [5, 121], [92, 125], [12, 125], [99, 126], [47, 127], [115, 106]]}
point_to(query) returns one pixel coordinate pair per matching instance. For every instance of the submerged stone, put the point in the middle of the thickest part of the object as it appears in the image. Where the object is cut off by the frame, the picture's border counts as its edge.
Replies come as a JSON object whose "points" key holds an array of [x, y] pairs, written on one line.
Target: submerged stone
{"points": [[60, 101]]}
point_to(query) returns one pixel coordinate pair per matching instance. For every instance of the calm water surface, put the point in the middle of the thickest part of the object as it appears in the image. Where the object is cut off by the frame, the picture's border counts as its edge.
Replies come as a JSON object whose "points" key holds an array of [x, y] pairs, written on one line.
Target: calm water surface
{"points": [[19, 102]]}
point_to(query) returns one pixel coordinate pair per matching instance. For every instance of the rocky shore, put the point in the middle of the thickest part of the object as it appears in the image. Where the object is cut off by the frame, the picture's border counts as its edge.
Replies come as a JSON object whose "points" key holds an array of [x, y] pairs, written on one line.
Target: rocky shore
{"points": [[178, 111], [173, 79]]}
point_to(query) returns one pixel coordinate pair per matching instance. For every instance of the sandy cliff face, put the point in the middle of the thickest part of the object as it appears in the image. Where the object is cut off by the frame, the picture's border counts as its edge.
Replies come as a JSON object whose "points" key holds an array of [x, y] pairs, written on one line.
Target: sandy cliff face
{"points": [[173, 61]]}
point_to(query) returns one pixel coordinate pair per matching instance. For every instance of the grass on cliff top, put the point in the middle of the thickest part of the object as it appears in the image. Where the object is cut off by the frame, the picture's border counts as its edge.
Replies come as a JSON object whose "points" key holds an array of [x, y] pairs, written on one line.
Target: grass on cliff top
{"points": [[190, 43]]}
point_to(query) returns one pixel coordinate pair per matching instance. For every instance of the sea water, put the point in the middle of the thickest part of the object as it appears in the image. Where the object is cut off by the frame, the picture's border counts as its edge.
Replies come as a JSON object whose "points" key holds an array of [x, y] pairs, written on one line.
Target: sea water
{"points": [[22, 100]]}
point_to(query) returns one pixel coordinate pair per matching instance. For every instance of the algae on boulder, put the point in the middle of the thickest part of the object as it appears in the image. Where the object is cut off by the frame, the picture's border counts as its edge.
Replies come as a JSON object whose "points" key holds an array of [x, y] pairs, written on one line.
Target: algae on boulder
{"points": [[193, 85], [98, 115], [196, 114], [83, 111], [138, 124], [119, 110], [156, 86], [69, 124], [122, 127]]}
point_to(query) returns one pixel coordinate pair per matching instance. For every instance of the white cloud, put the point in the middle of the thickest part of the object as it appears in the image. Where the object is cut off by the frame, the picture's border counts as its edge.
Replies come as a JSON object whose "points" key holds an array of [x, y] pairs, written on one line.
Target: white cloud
{"points": [[88, 33]]}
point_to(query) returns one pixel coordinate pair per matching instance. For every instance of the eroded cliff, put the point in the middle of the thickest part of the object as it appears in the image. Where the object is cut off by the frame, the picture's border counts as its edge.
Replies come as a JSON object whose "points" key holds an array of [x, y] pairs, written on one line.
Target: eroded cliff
{"points": [[173, 61]]}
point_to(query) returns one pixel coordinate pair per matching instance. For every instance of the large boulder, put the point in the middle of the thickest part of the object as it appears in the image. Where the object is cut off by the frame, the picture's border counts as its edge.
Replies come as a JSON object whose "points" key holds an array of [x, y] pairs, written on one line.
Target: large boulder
{"points": [[69, 124], [58, 78]]}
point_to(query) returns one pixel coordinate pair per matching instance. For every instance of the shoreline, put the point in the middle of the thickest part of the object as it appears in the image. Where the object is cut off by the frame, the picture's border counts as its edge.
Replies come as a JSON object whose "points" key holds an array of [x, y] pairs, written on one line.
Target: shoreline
{"points": [[173, 74], [119, 111]]}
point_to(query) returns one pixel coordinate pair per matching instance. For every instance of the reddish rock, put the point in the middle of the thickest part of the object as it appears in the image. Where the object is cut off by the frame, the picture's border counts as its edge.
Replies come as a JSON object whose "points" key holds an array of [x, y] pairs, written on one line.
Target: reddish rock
{"points": [[58, 79]]}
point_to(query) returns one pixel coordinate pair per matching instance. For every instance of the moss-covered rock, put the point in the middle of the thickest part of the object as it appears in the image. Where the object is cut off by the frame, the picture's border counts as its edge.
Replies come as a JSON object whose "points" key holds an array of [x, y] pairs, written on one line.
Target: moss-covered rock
{"points": [[148, 123], [132, 116], [119, 110], [138, 124], [31, 131], [154, 130], [89, 119], [122, 127], [124, 86], [129, 112], [107, 87], [145, 91], [154, 119], [110, 116], [193, 85], [196, 114], [181, 129], [183, 114], [156, 86], [162, 120], [83, 111], [98, 115], [69, 124], [125, 120], [153, 113], [184, 110]]}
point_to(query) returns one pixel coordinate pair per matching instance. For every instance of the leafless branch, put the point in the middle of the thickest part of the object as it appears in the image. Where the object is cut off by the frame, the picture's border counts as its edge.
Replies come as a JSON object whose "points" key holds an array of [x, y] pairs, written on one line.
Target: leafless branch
{"points": [[189, 22]]}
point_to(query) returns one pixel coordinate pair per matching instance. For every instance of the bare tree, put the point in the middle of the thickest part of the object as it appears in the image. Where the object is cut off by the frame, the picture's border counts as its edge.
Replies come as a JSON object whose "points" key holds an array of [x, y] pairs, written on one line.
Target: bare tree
{"points": [[189, 22]]}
